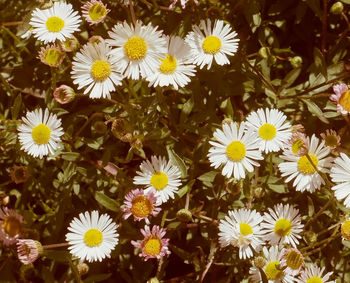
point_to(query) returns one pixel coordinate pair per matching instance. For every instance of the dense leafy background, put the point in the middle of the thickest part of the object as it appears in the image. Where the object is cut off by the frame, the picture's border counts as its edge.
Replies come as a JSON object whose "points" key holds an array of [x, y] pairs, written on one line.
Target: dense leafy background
{"points": [[142, 121]]}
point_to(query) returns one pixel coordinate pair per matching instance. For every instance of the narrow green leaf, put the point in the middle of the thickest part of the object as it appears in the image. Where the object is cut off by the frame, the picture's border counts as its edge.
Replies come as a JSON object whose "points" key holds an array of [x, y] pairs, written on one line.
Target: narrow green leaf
{"points": [[314, 109], [290, 78], [177, 161], [106, 201], [16, 106], [70, 156], [185, 189]]}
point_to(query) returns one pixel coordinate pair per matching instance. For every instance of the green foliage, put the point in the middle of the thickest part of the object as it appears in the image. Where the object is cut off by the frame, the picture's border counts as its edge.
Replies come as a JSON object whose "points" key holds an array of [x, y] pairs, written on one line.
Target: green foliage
{"points": [[285, 60]]}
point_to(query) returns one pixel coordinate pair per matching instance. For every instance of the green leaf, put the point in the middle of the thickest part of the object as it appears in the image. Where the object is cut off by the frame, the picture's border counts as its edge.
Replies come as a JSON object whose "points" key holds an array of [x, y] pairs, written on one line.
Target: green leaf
{"points": [[177, 161], [185, 189], [314, 109], [70, 156], [16, 106], [106, 201], [277, 188], [290, 78], [208, 177]]}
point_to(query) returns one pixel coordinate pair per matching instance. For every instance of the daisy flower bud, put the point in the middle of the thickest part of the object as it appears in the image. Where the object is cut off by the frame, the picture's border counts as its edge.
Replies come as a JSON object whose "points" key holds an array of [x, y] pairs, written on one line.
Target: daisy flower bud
{"points": [[28, 250], [64, 94]]}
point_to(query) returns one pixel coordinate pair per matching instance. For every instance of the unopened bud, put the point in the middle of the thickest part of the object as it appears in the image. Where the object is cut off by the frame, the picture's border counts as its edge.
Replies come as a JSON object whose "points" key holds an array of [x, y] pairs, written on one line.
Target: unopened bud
{"points": [[153, 280], [64, 94], [264, 52], [70, 44], [184, 215], [337, 8], [310, 237], [296, 61], [83, 268], [259, 261], [258, 192]]}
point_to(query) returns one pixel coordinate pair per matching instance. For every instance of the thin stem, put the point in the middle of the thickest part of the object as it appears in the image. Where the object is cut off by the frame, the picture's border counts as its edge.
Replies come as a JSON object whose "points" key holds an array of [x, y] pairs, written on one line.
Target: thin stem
{"points": [[322, 244], [206, 218], [324, 29], [53, 246], [10, 33], [12, 23], [87, 123], [187, 204], [323, 208], [261, 76]]}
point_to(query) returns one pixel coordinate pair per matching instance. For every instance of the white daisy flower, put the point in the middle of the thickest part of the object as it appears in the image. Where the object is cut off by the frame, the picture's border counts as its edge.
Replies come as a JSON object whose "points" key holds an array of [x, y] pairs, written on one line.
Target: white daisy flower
{"points": [[302, 170], [313, 274], [160, 177], [236, 149], [40, 134], [174, 69], [282, 225], [58, 22], [137, 49], [241, 228], [272, 268], [340, 174], [93, 68], [270, 126], [215, 43], [92, 237]]}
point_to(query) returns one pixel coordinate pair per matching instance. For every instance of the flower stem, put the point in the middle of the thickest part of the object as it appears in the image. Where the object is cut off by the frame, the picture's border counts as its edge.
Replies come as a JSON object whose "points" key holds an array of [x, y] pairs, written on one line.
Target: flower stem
{"points": [[53, 246]]}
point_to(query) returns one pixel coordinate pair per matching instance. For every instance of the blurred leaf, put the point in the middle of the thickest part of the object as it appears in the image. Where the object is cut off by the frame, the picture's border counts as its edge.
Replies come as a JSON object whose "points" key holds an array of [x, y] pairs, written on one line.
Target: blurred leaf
{"points": [[106, 201], [16, 106], [177, 161], [314, 109]]}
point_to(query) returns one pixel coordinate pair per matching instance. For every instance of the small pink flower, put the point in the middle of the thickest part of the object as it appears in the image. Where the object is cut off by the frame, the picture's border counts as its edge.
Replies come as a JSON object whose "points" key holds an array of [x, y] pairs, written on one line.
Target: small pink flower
{"points": [[331, 138], [183, 3], [51, 55], [292, 261], [64, 94], [153, 245], [341, 98], [140, 205], [298, 144], [28, 250], [10, 226], [94, 12]]}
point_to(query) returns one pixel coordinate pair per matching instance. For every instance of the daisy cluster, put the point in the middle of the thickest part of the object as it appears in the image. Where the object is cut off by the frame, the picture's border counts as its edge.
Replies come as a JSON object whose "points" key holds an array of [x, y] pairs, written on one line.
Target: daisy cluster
{"points": [[270, 239]]}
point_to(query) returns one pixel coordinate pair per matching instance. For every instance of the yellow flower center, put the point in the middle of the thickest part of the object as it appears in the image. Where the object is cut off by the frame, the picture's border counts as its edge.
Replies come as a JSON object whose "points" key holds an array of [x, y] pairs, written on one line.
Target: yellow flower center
{"points": [[211, 45], [153, 246], [93, 238], [53, 57], [168, 65], [159, 180], [135, 48], [344, 100], [297, 146], [100, 70], [345, 229], [305, 166], [272, 272], [314, 279], [12, 226], [54, 24], [141, 206], [294, 259], [97, 12], [41, 134], [235, 151], [331, 140], [245, 229], [283, 227], [267, 132]]}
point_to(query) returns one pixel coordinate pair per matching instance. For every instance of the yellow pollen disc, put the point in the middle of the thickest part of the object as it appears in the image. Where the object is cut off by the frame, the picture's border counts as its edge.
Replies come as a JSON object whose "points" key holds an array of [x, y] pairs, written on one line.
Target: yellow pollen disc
{"points": [[245, 229], [159, 180], [41, 134], [53, 57], [100, 70], [294, 260], [153, 246], [54, 24], [12, 226], [135, 48], [304, 165], [283, 227], [271, 271], [331, 141], [141, 206], [297, 146], [345, 230], [211, 45], [235, 151], [267, 132], [314, 279], [93, 238], [97, 11], [344, 100], [168, 65]]}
